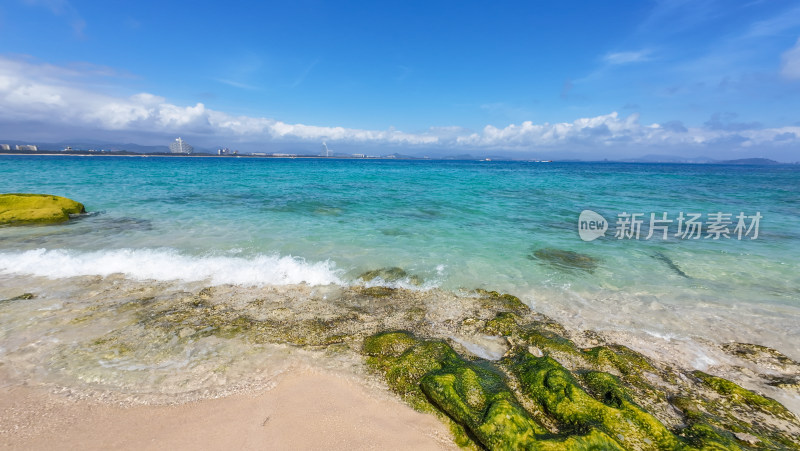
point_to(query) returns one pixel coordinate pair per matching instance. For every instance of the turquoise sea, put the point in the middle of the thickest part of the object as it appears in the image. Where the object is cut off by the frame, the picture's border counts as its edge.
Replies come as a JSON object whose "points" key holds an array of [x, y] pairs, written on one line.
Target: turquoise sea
{"points": [[450, 225]]}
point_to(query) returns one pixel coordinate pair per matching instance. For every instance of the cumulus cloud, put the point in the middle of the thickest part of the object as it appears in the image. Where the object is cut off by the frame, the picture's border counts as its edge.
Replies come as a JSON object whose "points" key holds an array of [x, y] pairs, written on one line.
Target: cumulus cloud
{"points": [[39, 93], [790, 67]]}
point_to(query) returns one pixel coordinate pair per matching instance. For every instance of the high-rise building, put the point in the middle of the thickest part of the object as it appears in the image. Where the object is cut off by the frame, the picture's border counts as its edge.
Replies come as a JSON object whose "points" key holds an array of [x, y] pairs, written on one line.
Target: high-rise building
{"points": [[180, 146]]}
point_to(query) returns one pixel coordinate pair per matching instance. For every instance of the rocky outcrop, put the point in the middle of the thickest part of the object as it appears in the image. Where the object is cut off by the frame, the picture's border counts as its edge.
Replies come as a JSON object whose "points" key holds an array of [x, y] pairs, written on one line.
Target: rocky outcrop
{"points": [[23, 209]]}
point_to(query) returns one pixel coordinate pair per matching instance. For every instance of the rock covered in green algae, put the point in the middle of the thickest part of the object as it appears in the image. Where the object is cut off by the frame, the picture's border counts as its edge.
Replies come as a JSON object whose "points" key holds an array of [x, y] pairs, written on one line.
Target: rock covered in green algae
{"points": [[562, 259], [393, 274], [534, 402], [740, 395], [432, 377], [21, 209], [503, 300], [561, 396], [716, 413]]}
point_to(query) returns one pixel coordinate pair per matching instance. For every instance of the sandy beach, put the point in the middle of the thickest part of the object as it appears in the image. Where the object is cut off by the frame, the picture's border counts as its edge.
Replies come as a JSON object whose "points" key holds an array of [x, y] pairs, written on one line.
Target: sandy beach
{"points": [[306, 409]]}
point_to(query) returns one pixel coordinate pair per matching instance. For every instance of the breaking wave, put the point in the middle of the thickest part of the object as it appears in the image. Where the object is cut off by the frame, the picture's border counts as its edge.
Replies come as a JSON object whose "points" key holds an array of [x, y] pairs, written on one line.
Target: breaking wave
{"points": [[168, 265]]}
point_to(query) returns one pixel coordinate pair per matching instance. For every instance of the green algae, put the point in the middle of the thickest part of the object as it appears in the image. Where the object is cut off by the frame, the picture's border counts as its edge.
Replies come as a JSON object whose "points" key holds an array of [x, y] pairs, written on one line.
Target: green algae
{"points": [[698, 433], [24, 209], [197, 318], [627, 361], [477, 398], [393, 274], [603, 400], [558, 392], [389, 344], [433, 378], [736, 394], [404, 369], [545, 338], [503, 300]]}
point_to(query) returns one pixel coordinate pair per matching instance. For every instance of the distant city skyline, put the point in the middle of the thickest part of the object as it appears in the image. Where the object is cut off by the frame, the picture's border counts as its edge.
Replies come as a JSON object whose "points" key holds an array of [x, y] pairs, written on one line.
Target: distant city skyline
{"points": [[588, 80]]}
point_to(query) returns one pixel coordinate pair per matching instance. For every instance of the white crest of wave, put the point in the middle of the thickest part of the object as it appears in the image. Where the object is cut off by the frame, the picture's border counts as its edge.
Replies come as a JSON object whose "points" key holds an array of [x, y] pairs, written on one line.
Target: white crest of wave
{"points": [[168, 264]]}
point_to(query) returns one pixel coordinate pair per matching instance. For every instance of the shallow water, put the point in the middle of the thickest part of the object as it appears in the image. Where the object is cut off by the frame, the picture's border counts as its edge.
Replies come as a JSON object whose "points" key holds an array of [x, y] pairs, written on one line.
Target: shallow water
{"points": [[167, 225]]}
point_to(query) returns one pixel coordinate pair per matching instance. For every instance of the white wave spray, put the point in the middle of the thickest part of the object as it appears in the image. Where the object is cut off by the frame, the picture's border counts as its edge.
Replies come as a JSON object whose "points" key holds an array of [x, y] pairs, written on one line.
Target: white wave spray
{"points": [[168, 264]]}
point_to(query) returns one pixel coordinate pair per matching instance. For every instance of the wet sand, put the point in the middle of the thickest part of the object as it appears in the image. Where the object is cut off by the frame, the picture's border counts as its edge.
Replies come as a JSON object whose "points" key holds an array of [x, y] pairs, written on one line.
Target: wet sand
{"points": [[307, 409]]}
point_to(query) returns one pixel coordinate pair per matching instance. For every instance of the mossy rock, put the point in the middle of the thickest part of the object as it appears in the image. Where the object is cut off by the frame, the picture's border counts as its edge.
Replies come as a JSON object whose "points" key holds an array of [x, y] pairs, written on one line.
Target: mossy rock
{"points": [[504, 324], [625, 360], [473, 396], [388, 344], [503, 300], [736, 394], [404, 360], [478, 398], [393, 274], [22, 209], [612, 412], [196, 318], [762, 354], [563, 259]]}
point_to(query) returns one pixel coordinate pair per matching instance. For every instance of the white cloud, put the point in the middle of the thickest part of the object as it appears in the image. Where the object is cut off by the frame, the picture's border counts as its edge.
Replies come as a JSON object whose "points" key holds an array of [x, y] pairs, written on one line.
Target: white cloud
{"points": [[40, 93], [627, 57], [791, 62]]}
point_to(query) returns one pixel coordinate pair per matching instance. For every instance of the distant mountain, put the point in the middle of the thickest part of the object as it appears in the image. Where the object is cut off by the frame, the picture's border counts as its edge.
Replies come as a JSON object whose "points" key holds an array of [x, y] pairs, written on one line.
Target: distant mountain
{"points": [[130, 147], [653, 158], [760, 161], [464, 156]]}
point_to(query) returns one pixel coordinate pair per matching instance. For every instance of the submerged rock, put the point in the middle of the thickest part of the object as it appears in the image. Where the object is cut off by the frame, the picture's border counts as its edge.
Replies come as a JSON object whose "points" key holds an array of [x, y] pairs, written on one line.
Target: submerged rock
{"points": [[762, 355], [503, 300], [22, 297], [22, 209], [393, 274], [562, 259], [670, 263]]}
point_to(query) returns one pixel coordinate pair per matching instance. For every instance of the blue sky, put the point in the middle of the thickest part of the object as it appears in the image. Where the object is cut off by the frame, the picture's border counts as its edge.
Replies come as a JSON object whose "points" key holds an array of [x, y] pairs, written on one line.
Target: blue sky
{"points": [[557, 79]]}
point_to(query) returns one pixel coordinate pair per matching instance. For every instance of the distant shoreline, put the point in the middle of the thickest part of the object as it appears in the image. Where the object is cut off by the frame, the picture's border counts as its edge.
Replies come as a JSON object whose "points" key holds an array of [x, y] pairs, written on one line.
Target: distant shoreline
{"points": [[738, 162], [194, 155]]}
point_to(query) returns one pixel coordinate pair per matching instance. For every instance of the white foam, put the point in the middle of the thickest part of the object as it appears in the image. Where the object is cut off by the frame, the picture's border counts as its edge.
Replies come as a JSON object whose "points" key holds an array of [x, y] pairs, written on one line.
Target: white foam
{"points": [[405, 283], [168, 264], [484, 346]]}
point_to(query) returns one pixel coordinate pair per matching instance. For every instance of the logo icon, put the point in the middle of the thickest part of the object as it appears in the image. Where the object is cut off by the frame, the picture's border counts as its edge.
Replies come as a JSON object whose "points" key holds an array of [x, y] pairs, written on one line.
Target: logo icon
{"points": [[591, 225]]}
